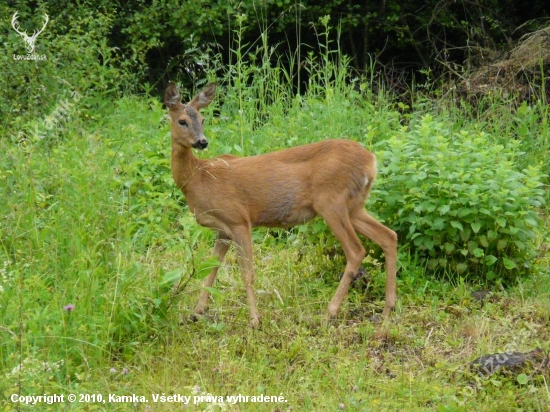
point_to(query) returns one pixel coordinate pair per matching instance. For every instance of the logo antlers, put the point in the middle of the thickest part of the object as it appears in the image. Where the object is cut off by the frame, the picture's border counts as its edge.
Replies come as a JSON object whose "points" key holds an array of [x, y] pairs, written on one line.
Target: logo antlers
{"points": [[30, 40]]}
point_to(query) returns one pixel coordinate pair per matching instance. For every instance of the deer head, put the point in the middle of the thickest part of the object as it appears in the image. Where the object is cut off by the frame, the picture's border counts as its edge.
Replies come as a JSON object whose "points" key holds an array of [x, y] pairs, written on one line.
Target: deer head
{"points": [[30, 40], [187, 122]]}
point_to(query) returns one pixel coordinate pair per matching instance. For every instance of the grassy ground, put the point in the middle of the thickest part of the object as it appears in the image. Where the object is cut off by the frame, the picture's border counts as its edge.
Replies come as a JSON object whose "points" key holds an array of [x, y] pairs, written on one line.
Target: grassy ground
{"points": [[94, 236]]}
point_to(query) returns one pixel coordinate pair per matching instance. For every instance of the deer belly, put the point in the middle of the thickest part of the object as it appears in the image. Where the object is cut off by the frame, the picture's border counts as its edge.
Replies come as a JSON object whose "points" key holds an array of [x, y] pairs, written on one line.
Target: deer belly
{"points": [[284, 215]]}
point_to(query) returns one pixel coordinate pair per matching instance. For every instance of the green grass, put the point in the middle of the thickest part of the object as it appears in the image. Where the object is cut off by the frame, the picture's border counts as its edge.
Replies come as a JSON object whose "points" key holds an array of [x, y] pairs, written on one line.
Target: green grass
{"points": [[91, 218]]}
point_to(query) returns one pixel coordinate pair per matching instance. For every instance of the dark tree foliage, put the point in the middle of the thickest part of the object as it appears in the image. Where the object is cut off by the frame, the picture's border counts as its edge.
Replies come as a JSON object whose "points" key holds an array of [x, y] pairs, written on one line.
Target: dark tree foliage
{"points": [[396, 35]]}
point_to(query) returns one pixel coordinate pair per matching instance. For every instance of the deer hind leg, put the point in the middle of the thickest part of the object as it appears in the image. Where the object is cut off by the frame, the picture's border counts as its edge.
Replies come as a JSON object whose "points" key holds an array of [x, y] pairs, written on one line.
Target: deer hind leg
{"points": [[220, 249], [339, 223], [241, 237], [386, 238]]}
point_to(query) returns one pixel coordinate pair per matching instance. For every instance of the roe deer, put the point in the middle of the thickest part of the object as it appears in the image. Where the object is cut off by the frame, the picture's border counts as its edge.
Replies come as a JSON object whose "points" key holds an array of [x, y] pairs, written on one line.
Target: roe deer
{"points": [[232, 194]]}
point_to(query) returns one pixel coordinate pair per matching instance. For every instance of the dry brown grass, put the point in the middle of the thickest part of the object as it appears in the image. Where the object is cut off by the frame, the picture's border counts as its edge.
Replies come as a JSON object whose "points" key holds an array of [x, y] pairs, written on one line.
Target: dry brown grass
{"points": [[519, 72]]}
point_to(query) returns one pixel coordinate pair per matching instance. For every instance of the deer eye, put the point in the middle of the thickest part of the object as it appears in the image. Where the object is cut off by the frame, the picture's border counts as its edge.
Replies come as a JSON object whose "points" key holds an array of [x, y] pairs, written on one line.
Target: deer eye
{"points": [[182, 122]]}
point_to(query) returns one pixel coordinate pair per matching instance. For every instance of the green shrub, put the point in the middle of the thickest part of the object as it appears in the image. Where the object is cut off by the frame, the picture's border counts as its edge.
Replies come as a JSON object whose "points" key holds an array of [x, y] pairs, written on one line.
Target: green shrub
{"points": [[460, 203]]}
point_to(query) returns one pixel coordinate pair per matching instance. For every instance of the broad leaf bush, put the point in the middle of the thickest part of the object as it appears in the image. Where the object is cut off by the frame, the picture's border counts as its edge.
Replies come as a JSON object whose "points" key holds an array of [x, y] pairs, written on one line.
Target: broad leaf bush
{"points": [[458, 201]]}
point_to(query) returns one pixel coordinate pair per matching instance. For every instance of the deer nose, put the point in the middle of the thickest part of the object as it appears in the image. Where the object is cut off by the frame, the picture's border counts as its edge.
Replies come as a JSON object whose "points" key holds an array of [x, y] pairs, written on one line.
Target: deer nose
{"points": [[202, 143]]}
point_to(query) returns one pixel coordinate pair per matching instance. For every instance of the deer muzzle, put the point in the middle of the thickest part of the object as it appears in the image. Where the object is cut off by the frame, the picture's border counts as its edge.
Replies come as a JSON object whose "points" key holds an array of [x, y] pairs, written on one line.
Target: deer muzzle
{"points": [[201, 143]]}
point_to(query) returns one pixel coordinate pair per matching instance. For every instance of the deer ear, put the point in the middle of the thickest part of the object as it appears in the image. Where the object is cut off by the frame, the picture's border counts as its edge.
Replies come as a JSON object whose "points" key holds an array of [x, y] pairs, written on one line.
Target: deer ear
{"points": [[172, 97], [204, 98]]}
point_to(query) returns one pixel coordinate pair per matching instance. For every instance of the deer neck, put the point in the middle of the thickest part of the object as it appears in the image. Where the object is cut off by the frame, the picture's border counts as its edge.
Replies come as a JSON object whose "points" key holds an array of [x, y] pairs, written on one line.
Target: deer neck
{"points": [[184, 166]]}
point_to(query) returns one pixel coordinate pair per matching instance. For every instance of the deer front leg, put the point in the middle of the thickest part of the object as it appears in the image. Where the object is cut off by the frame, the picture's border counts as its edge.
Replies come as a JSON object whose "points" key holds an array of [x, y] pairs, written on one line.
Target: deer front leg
{"points": [[241, 237], [220, 249]]}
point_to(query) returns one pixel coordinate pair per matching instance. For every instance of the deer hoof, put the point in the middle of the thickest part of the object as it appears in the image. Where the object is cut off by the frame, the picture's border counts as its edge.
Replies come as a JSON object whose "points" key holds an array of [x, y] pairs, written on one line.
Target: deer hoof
{"points": [[200, 309], [328, 320], [255, 322], [333, 310], [387, 311], [194, 318]]}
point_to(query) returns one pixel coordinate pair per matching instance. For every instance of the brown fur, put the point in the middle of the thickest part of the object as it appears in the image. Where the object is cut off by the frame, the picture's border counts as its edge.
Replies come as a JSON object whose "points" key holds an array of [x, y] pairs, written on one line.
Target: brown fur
{"points": [[231, 195]]}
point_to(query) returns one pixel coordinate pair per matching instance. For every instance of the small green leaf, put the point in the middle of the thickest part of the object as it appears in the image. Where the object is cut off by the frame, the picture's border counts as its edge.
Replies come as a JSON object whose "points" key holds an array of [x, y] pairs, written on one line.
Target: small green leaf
{"points": [[501, 221], [483, 240], [429, 244], [461, 267], [513, 230], [218, 327], [476, 226], [522, 379], [171, 277], [444, 209], [465, 234], [206, 267], [449, 248], [531, 222], [501, 244], [490, 260], [213, 291], [465, 212], [508, 263], [457, 225], [439, 223], [496, 383], [478, 252]]}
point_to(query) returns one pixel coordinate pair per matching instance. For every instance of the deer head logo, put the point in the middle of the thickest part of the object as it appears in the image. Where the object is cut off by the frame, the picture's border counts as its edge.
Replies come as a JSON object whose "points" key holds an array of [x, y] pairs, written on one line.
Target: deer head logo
{"points": [[30, 40]]}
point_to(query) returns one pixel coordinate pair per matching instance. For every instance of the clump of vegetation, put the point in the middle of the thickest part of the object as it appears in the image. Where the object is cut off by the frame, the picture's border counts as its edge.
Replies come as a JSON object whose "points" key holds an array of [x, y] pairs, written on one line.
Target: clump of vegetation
{"points": [[458, 202]]}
